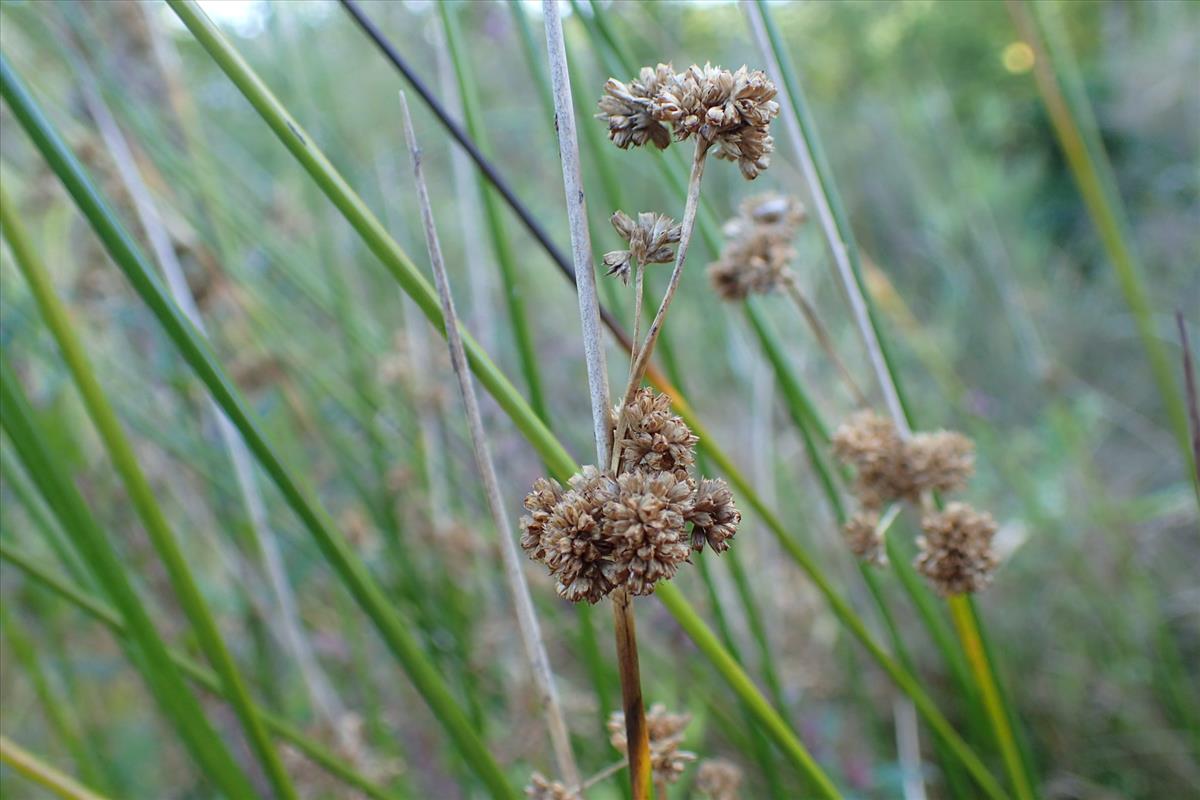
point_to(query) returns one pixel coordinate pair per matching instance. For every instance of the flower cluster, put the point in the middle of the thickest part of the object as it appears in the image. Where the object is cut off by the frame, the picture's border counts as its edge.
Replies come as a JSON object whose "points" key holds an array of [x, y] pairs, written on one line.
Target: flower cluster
{"points": [[956, 553], [602, 532], [665, 730], [758, 246], [729, 110], [650, 238]]}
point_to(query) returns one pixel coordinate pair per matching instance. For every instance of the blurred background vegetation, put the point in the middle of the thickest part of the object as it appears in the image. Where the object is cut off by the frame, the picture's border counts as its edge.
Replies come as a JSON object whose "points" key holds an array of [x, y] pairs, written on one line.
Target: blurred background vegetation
{"points": [[998, 298]]}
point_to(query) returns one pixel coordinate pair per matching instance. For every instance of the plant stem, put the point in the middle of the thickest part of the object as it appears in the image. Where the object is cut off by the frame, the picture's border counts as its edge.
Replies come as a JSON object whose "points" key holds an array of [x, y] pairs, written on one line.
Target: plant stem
{"points": [[531, 634], [818, 329], [625, 624], [636, 733]]}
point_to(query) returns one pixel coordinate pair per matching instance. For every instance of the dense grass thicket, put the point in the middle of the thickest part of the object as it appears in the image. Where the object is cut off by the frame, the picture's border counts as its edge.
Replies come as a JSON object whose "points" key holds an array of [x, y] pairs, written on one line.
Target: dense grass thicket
{"points": [[246, 544]]}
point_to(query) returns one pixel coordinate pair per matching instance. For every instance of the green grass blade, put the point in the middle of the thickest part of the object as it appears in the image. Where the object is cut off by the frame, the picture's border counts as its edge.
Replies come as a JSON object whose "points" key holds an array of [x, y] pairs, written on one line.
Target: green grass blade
{"points": [[149, 651], [120, 451], [201, 675], [336, 550]]}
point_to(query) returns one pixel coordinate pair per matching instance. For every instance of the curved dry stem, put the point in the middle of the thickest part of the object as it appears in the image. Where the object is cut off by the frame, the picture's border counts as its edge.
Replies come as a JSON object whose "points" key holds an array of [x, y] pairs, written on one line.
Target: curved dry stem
{"points": [[531, 635]]}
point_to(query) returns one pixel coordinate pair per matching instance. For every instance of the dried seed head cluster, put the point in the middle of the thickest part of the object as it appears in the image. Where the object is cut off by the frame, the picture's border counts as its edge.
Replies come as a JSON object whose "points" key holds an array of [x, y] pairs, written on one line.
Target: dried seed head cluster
{"points": [[758, 247], [650, 237], [542, 788], [603, 532], [719, 779], [955, 552], [729, 110], [956, 549], [665, 730], [891, 468]]}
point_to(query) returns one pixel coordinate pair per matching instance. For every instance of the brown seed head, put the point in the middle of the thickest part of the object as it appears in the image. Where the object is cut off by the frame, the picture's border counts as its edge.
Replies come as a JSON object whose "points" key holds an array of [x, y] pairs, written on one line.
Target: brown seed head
{"points": [[714, 517], [650, 238], [956, 553], [576, 549], [629, 108], [732, 110], [665, 730], [540, 503], [655, 438], [542, 788], [719, 779], [644, 526], [861, 532], [941, 461]]}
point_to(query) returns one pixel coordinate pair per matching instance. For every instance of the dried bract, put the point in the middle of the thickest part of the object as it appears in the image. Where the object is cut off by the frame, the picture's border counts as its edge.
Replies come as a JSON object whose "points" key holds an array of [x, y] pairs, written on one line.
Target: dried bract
{"points": [[573, 545], [862, 535], [714, 517], [540, 503], [665, 731], [956, 549], [650, 238], [719, 779]]}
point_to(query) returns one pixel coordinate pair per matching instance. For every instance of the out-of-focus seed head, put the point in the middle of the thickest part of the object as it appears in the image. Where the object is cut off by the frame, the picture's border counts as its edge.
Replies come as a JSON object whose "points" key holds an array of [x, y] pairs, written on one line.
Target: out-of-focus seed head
{"points": [[629, 108], [889, 468], [644, 526], [655, 438], [758, 247], [650, 238], [542, 788], [719, 778], [861, 533], [714, 516], [956, 554], [665, 731]]}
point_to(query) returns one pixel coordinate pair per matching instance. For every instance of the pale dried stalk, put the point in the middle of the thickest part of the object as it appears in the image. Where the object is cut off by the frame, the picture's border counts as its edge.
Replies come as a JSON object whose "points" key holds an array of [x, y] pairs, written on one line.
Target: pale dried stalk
{"points": [[325, 701], [593, 348], [818, 329], [535, 648], [642, 358], [841, 259]]}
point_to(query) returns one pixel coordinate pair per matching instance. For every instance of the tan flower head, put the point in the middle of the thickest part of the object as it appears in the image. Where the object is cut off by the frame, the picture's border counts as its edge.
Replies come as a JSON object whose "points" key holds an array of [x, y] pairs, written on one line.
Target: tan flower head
{"points": [[542, 788], [861, 532], [650, 238], [574, 544], [956, 549], [719, 779], [644, 527], [665, 730], [629, 108], [656, 439], [714, 517]]}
